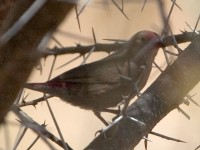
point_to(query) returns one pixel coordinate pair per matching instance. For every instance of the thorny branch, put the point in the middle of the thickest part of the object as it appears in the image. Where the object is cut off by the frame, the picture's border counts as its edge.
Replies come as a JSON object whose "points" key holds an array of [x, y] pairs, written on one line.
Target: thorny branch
{"points": [[39, 129], [102, 47], [164, 95], [167, 41], [147, 99]]}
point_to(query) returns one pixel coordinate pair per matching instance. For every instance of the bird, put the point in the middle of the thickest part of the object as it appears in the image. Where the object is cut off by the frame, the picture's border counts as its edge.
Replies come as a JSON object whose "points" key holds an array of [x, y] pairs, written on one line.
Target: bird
{"points": [[105, 83]]}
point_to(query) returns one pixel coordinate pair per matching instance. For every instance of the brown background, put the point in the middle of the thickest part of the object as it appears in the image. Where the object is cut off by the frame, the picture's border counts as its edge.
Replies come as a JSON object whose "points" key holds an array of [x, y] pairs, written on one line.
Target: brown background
{"points": [[79, 126]]}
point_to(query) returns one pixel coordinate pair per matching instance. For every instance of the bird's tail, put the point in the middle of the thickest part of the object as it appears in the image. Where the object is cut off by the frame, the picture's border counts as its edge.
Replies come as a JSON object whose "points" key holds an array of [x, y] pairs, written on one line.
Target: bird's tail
{"points": [[47, 88], [35, 86]]}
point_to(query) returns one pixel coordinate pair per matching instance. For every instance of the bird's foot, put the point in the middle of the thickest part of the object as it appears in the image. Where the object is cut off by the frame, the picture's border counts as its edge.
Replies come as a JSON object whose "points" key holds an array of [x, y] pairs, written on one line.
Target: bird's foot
{"points": [[97, 113], [98, 132]]}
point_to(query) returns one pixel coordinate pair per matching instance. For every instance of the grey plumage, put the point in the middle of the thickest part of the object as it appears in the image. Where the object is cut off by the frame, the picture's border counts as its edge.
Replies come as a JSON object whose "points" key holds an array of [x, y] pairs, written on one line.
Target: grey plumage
{"points": [[102, 84]]}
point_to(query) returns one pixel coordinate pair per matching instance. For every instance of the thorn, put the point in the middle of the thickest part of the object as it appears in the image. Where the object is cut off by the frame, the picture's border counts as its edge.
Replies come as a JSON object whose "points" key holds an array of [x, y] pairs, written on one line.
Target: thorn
{"points": [[86, 57], [118, 119], [166, 57], [186, 102], [34, 105], [196, 26], [77, 17], [175, 42], [23, 99], [166, 20], [146, 142], [52, 67], [84, 6], [184, 113], [125, 77], [57, 42], [166, 137], [174, 54], [113, 111], [138, 121], [182, 31], [122, 4], [116, 40], [44, 124], [78, 45], [146, 139], [192, 28], [143, 5], [97, 113], [93, 48], [94, 37], [158, 67], [193, 101], [121, 10], [18, 120], [24, 102], [68, 62], [177, 5]]}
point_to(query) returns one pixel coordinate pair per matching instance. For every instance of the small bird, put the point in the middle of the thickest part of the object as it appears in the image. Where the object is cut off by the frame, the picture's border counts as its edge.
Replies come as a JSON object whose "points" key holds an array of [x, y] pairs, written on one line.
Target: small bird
{"points": [[105, 83]]}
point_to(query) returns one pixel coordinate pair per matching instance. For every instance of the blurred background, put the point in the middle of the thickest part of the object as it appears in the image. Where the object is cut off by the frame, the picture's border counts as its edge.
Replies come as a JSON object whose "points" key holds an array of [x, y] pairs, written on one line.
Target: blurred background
{"points": [[79, 126]]}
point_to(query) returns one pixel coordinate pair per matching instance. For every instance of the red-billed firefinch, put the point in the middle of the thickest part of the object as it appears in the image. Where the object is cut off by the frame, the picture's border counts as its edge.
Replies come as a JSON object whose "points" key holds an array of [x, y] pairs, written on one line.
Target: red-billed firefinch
{"points": [[102, 84]]}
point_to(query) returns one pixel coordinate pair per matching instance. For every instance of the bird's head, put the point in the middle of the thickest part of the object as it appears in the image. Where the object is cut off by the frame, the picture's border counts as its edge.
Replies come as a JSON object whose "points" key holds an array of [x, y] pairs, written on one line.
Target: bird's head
{"points": [[142, 38], [144, 42]]}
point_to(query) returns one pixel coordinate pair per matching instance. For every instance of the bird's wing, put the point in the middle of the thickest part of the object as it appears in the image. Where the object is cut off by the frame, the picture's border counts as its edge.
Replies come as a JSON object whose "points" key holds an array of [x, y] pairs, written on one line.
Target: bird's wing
{"points": [[97, 77], [97, 72]]}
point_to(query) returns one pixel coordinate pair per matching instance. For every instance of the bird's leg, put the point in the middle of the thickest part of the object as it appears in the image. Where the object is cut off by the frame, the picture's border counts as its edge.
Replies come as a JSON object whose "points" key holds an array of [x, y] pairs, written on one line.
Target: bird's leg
{"points": [[146, 141], [98, 114], [126, 103], [134, 89]]}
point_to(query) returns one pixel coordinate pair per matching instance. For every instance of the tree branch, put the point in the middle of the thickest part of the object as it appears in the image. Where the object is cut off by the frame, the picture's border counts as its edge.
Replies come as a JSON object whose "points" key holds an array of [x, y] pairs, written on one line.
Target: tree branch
{"points": [[39, 129], [164, 95], [19, 54], [103, 47]]}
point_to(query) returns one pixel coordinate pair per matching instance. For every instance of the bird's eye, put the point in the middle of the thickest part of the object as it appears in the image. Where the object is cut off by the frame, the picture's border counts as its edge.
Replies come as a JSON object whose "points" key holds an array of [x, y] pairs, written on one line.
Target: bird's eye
{"points": [[143, 38]]}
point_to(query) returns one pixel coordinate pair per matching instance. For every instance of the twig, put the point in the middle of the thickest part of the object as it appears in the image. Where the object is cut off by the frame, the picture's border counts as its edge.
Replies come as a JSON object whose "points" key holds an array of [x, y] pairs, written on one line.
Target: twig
{"points": [[101, 47], [39, 129]]}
